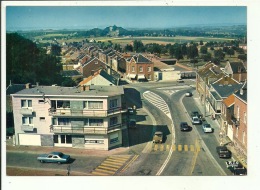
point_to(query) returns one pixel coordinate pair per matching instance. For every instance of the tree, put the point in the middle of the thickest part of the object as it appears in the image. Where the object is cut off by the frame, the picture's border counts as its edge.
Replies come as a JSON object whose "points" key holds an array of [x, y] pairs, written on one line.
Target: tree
{"points": [[219, 54], [192, 51], [203, 49], [138, 46], [242, 57], [206, 57], [55, 50], [128, 48], [201, 42], [230, 52]]}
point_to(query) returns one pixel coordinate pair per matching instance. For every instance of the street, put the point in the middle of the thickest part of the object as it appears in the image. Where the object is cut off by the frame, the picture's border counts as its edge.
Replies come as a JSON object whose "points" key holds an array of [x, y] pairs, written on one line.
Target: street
{"points": [[159, 107]]}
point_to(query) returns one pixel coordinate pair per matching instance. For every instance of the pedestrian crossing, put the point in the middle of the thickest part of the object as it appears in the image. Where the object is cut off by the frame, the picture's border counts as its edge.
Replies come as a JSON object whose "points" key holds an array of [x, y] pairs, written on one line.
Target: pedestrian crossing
{"points": [[172, 89], [179, 147], [170, 92], [157, 101], [111, 165]]}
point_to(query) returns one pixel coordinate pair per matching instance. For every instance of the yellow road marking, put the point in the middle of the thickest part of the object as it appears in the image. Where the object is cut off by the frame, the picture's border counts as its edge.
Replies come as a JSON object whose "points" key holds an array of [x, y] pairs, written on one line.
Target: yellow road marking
{"points": [[98, 173], [173, 147], [105, 171], [114, 163], [198, 148], [162, 147], [128, 164], [110, 165], [192, 148], [107, 168], [179, 147], [186, 147], [167, 147], [155, 147]]}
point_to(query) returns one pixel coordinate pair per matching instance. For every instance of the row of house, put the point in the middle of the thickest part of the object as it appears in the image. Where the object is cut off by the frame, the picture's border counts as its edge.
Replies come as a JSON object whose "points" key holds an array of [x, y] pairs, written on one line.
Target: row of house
{"points": [[223, 91], [88, 59]]}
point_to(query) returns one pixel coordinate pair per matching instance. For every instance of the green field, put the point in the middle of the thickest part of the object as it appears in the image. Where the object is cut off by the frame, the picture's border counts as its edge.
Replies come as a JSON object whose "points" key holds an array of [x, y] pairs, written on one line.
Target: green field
{"points": [[146, 40]]}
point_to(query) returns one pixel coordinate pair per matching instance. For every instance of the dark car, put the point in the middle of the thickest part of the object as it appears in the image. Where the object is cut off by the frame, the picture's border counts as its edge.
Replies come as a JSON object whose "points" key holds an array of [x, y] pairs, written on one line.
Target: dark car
{"points": [[180, 81], [132, 123], [223, 152], [56, 157], [195, 113], [184, 126]]}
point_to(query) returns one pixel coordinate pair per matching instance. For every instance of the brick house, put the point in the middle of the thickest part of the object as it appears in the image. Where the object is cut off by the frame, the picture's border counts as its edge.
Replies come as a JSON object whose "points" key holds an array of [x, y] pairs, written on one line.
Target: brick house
{"points": [[89, 117], [91, 66], [138, 67], [239, 119]]}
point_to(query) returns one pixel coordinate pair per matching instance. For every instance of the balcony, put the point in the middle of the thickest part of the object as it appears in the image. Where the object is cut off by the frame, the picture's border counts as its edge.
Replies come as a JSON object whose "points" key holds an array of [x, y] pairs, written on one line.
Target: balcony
{"points": [[235, 121], [83, 112], [26, 111], [65, 129], [27, 128]]}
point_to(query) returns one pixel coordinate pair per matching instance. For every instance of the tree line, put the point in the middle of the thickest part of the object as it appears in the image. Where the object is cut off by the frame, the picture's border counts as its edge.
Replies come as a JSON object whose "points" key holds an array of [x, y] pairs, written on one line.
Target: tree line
{"points": [[27, 63]]}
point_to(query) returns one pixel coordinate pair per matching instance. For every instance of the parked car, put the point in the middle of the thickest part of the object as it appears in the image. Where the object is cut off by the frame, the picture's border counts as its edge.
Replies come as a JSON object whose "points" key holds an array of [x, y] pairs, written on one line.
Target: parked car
{"points": [[132, 123], [184, 126], [188, 94], [207, 128], [223, 152], [56, 157], [158, 137], [196, 120]]}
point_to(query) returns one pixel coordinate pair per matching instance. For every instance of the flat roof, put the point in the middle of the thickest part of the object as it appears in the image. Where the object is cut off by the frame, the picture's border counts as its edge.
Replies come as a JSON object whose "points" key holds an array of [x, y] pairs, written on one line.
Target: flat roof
{"points": [[96, 91]]}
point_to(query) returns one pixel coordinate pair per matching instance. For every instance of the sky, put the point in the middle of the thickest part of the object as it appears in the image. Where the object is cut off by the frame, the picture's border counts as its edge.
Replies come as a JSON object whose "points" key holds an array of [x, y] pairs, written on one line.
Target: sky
{"points": [[87, 17]]}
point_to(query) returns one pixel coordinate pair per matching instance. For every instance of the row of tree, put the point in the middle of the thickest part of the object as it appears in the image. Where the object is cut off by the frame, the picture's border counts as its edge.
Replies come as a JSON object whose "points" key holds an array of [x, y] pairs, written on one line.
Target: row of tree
{"points": [[27, 63]]}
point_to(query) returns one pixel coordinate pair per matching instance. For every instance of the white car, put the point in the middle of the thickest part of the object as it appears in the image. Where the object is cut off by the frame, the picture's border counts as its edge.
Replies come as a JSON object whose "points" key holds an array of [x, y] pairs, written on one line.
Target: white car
{"points": [[188, 94], [196, 120], [207, 128]]}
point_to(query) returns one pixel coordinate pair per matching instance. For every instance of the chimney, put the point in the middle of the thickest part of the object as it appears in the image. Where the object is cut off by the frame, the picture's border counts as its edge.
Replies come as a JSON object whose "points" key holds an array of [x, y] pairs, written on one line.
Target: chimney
{"points": [[85, 88], [28, 85]]}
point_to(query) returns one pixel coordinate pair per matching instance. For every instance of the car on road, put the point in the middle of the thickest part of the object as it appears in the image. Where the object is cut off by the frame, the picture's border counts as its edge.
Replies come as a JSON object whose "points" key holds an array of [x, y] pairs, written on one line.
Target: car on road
{"points": [[130, 111], [196, 120], [184, 126], [207, 128], [188, 94], [195, 113], [223, 152], [132, 123], [55, 157], [158, 137]]}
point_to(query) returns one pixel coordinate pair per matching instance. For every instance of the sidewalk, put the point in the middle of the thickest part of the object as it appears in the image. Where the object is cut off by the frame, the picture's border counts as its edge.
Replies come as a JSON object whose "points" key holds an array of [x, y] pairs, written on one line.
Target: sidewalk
{"points": [[216, 127]]}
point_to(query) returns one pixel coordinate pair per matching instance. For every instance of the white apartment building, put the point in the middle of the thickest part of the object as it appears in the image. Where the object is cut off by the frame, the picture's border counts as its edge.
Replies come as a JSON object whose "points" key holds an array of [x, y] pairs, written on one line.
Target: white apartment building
{"points": [[82, 117]]}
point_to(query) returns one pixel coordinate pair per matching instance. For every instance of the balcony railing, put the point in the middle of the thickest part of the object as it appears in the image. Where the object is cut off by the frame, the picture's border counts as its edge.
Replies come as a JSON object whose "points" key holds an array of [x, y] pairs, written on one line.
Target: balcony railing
{"points": [[26, 111], [83, 112], [235, 121], [84, 130], [27, 127]]}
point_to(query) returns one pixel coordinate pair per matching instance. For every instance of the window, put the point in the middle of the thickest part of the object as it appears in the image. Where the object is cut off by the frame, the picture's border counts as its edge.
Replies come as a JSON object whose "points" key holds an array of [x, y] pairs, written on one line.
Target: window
{"points": [[42, 118], [237, 112], [63, 104], [55, 138], [245, 117], [237, 132], [244, 137], [94, 141], [149, 69], [95, 122], [86, 122], [26, 103], [62, 139], [63, 121], [113, 103], [113, 121], [41, 101], [114, 138], [27, 120], [141, 69], [95, 104], [133, 68]]}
